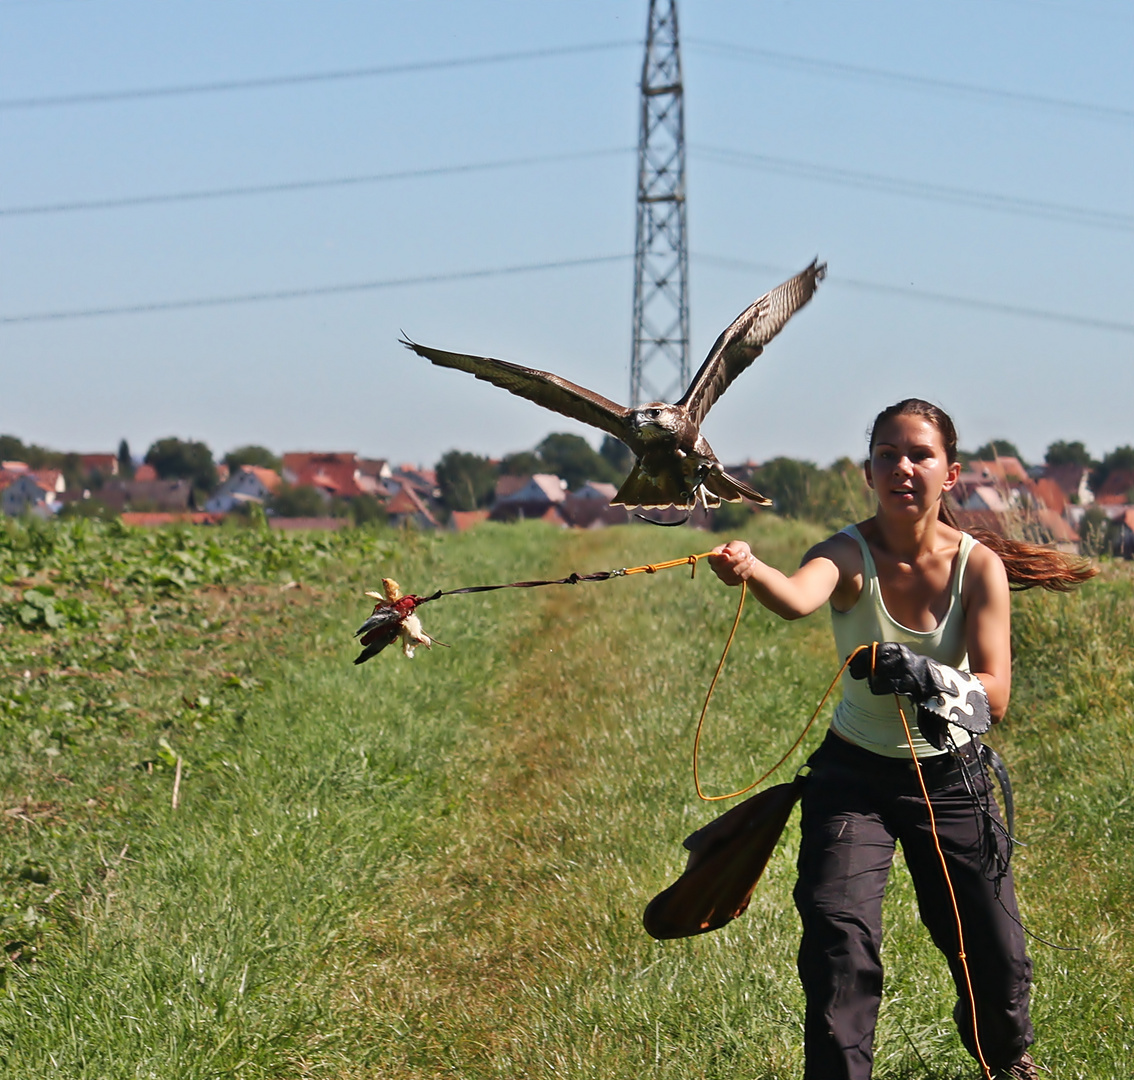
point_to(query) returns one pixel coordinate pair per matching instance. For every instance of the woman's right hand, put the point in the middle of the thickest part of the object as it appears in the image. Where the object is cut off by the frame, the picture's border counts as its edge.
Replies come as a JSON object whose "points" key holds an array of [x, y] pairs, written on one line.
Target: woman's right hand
{"points": [[732, 562]]}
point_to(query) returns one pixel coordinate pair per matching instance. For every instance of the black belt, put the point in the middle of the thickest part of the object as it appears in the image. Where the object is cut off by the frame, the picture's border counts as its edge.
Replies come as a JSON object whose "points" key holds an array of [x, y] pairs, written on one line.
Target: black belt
{"points": [[938, 770]]}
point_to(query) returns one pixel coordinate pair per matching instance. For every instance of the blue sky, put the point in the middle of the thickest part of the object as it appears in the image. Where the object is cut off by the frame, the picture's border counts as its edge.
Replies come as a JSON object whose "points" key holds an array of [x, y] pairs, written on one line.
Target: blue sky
{"points": [[800, 120]]}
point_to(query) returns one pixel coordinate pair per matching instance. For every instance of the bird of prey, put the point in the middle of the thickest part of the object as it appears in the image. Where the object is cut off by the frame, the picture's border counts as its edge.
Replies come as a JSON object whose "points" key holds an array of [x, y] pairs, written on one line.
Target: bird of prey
{"points": [[674, 464], [393, 617]]}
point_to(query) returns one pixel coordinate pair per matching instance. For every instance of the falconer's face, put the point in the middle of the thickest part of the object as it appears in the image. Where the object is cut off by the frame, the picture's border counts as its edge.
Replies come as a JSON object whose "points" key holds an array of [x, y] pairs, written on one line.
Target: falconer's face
{"points": [[908, 467]]}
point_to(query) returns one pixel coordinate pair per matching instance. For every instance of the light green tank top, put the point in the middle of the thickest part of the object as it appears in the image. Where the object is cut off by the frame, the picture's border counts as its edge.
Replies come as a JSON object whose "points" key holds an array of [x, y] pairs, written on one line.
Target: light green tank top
{"points": [[871, 720]]}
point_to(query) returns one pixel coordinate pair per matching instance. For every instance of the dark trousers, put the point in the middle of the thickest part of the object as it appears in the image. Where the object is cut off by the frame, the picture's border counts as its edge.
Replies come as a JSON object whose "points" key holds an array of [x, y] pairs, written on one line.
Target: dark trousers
{"points": [[856, 805]]}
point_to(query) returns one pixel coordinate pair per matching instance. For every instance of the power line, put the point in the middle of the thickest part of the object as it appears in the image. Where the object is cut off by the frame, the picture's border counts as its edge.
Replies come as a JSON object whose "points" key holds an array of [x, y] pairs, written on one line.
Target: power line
{"points": [[234, 300], [920, 82], [103, 97], [302, 293], [985, 200], [767, 56], [283, 187], [973, 303]]}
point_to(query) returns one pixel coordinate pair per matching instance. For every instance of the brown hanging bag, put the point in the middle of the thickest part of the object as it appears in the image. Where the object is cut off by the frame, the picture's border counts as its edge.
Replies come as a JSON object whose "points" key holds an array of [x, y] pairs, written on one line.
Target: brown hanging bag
{"points": [[726, 858]]}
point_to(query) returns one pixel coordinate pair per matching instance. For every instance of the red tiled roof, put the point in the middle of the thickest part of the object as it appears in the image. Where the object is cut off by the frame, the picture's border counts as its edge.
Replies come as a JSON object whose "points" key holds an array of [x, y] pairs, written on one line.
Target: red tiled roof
{"points": [[1050, 493], [1056, 526], [301, 460], [337, 478], [1004, 469], [145, 472], [407, 501], [1116, 489], [1068, 477], [427, 477], [49, 479], [106, 464], [44, 479]]}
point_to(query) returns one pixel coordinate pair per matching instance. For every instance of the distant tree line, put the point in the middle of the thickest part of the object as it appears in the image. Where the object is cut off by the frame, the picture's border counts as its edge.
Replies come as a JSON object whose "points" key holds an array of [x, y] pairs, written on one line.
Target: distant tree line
{"points": [[830, 496], [468, 481]]}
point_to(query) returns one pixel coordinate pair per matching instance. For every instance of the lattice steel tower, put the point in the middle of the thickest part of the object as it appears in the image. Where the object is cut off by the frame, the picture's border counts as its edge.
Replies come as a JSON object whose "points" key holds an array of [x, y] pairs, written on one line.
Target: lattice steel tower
{"points": [[659, 368]]}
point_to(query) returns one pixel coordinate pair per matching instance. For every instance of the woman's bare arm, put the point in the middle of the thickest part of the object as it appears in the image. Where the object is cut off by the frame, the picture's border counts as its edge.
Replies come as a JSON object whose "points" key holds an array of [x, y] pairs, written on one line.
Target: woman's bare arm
{"points": [[987, 602], [790, 597]]}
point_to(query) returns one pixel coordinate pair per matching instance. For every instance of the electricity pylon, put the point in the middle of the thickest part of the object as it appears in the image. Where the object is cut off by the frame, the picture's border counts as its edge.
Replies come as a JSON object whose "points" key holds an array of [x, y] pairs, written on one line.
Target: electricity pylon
{"points": [[659, 368]]}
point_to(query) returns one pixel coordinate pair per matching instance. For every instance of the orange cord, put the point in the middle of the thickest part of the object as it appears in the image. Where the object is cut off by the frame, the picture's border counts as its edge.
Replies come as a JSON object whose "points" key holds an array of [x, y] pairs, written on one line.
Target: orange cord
{"points": [[692, 560], [948, 880], [653, 568], [705, 708]]}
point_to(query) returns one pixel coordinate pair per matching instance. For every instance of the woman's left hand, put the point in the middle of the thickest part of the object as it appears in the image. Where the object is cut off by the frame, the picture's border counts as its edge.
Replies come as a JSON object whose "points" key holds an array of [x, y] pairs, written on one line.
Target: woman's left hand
{"points": [[732, 562]]}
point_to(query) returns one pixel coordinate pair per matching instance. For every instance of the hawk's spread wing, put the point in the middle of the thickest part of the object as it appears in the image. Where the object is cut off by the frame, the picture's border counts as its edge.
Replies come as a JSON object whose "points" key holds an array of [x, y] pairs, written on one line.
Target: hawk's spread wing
{"points": [[745, 339], [542, 387]]}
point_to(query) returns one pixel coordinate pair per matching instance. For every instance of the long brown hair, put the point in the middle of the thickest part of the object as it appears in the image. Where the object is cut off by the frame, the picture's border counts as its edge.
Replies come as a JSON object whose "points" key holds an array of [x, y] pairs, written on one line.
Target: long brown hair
{"points": [[1028, 565]]}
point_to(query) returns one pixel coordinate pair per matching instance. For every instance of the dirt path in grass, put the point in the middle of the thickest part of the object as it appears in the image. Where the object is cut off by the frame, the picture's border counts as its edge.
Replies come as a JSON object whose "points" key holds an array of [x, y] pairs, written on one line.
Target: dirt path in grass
{"points": [[482, 915]]}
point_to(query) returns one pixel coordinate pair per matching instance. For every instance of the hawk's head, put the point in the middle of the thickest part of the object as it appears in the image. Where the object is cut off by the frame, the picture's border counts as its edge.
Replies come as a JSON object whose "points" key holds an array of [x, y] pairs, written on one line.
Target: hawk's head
{"points": [[657, 422]]}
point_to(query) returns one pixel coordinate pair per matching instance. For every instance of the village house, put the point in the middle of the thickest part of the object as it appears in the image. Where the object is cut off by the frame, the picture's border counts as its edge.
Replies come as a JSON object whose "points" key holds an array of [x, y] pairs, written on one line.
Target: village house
{"points": [[172, 496], [997, 485], [98, 468], [25, 491], [406, 506], [987, 497], [245, 485], [538, 496], [378, 468], [589, 507], [1000, 496], [1117, 489], [334, 474], [1072, 480], [423, 482]]}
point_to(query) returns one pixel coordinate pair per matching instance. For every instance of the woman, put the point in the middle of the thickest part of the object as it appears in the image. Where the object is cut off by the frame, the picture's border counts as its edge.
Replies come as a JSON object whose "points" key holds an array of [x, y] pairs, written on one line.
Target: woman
{"points": [[908, 577]]}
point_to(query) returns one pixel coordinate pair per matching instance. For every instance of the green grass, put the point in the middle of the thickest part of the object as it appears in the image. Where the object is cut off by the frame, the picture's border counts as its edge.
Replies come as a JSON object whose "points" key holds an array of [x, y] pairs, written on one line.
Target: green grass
{"points": [[438, 867]]}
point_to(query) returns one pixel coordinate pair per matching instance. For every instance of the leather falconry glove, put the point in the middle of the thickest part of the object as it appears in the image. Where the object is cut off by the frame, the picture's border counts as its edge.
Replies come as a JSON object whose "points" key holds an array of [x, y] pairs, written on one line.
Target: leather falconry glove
{"points": [[943, 695]]}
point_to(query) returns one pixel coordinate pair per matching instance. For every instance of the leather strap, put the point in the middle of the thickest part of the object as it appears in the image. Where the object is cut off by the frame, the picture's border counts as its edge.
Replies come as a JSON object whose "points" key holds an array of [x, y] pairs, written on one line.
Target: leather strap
{"points": [[1000, 771]]}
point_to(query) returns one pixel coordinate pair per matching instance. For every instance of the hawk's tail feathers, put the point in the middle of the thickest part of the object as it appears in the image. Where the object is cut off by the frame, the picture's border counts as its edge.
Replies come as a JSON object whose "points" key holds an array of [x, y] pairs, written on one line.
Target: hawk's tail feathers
{"points": [[730, 489], [638, 489]]}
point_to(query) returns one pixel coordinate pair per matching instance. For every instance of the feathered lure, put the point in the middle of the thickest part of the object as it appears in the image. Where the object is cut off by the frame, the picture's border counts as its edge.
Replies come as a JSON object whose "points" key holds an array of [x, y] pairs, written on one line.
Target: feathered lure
{"points": [[393, 617]]}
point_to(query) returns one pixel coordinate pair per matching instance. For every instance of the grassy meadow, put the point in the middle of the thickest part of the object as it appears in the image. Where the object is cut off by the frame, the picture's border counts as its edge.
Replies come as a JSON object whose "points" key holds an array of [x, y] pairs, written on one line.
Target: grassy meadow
{"points": [[437, 867]]}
